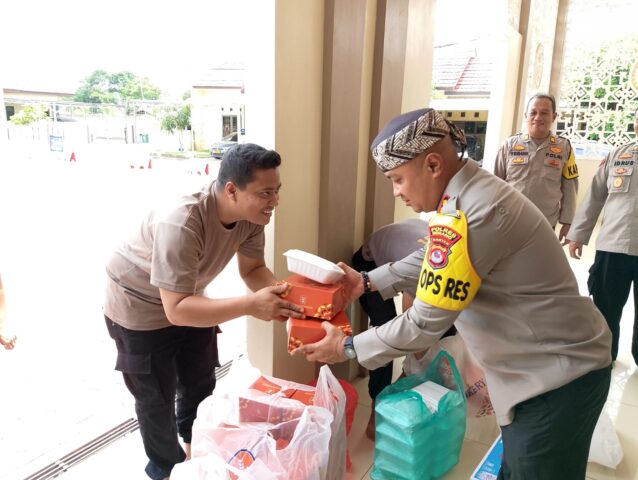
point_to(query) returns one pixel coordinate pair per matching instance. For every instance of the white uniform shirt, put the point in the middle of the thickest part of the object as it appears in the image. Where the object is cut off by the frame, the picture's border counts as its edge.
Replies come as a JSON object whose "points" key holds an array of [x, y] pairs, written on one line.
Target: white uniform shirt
{"points": [[528, 326]]}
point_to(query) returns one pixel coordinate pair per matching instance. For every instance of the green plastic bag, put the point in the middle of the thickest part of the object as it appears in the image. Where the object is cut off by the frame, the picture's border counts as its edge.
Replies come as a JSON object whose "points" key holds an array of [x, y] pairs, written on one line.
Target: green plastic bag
{"points": [[413, 443]]}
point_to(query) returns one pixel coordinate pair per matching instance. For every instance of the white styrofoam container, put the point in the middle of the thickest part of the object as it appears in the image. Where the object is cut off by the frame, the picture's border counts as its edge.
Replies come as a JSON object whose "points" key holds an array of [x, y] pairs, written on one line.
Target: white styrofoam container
{"points": [[313, 267]]}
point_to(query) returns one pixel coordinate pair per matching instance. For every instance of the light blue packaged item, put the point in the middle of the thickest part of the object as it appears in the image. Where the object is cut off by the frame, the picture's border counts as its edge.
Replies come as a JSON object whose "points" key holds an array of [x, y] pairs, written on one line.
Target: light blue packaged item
{"points": [[491, 463], [420, 426]]}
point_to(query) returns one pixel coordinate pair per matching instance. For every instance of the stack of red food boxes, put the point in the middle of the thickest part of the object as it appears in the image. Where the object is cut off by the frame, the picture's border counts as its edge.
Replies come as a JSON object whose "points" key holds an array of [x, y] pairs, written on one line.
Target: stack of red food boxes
{"points": [[320, 302], [279, 404]]}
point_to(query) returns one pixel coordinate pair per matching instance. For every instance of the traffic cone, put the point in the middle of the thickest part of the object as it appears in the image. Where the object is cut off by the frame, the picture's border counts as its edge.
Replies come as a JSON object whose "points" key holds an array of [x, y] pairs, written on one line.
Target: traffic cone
{"points": [[72, 159], [206, 169], [150, 163]]}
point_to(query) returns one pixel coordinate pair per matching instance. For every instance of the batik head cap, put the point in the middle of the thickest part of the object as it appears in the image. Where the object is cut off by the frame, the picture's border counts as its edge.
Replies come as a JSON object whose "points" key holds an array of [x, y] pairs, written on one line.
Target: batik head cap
{"points": [[409, 135]]}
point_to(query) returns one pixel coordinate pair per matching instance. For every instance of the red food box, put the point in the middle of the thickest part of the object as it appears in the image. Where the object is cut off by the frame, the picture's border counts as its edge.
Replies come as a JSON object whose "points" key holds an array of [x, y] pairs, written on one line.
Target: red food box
{"points": [[266, 401], [305, 331], [319, 300]]}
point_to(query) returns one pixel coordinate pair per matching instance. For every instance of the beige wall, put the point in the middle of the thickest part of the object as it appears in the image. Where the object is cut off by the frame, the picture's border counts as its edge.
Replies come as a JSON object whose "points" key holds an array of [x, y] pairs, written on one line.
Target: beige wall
{"points": [[283, 98]]}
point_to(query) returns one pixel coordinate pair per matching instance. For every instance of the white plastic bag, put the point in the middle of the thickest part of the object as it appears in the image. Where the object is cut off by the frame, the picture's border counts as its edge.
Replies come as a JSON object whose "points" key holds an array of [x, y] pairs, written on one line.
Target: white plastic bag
{"points": [[330, 395], [481, 422], [605, 447], [308, 444]]}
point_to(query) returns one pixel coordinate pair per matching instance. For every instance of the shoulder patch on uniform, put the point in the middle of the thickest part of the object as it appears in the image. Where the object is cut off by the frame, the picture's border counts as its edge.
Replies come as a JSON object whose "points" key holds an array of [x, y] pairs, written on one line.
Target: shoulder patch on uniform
{"points": [[570, 170]]}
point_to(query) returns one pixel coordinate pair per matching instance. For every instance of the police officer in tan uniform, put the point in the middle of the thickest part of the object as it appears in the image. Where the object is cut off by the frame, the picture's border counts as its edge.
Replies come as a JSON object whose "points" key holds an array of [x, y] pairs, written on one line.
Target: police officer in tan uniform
{"points": [[615, 268], [541, 165], [495, 269]]}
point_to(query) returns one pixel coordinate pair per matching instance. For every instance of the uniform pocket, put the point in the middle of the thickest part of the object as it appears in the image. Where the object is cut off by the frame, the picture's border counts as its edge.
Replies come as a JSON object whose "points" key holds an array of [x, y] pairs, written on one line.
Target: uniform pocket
{"points": [[133, 363], [144, 386], [619, 184]]}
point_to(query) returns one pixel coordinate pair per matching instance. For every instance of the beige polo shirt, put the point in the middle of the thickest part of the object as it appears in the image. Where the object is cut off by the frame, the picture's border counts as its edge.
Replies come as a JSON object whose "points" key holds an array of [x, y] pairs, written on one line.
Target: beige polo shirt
{"points": [[181, 248], [528, 326], [540, 171], [615, 188]]}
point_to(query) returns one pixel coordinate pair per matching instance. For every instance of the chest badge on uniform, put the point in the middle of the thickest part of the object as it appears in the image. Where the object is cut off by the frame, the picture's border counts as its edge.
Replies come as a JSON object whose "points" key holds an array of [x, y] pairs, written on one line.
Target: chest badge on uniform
{"points": [[555, 149], [618, 182], [626, 155], [620, 171], [519, 160], [519, 147], [441, 240], [552, 162]]}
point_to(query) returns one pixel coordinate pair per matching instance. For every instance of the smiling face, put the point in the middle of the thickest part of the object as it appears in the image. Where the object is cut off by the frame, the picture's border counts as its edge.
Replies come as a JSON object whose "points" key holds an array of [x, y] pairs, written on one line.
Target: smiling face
{"points": [[257, 201], [540, 115]]}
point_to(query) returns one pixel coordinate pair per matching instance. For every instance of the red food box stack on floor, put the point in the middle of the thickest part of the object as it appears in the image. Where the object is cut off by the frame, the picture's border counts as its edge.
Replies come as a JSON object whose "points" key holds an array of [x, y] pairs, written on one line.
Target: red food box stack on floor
{"points": [[321, 302]]}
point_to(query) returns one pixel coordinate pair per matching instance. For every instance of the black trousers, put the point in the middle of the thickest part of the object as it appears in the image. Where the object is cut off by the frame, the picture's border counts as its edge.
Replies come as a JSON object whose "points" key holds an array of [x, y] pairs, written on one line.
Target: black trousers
{"points": [[610, 279], [550, 436], [169, 372], [380, 312]]}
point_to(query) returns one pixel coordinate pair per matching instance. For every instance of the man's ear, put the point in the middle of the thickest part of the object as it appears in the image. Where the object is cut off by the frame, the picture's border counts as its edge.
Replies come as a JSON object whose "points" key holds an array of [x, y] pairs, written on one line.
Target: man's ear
{"points": [[433, 163], [230, 189]]}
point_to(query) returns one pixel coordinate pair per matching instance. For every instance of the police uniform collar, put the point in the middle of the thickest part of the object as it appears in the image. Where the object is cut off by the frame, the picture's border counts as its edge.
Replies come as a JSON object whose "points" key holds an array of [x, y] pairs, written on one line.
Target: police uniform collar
{"points": [[459, 180]]}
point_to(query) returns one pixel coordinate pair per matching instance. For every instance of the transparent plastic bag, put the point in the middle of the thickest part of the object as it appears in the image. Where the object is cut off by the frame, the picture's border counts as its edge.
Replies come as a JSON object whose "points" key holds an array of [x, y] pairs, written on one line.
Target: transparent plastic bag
{"points": [[294, 440], [605, 448], [412, 442]]}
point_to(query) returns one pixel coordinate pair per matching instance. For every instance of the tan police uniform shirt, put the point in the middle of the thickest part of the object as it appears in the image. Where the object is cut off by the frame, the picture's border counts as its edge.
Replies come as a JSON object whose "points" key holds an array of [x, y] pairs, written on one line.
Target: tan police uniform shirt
{"points": [[615, 187], [181, 248], [542, 172], [528, 326]]}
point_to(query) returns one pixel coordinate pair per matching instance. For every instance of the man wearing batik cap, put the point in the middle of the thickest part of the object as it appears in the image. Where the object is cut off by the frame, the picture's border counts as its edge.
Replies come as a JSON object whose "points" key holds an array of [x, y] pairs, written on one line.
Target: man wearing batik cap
{"points": [[495, 269]]}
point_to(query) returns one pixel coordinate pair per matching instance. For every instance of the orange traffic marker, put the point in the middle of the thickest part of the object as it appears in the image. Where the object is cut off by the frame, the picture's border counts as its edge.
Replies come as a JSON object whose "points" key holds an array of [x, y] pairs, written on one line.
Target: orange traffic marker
{"points": [[72, 159], [206, 169], [150, 163]]}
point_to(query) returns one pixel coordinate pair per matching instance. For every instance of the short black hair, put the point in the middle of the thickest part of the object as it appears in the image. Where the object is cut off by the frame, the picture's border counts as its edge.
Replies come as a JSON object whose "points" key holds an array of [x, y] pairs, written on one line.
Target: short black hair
{"points": [[542, 95], [240, 162]]}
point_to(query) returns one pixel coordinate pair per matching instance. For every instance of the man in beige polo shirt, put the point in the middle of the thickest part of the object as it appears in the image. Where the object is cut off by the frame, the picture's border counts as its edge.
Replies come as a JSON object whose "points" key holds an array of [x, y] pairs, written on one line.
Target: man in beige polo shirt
{"points": [[541, 165], [164, 328], [495, 269]]}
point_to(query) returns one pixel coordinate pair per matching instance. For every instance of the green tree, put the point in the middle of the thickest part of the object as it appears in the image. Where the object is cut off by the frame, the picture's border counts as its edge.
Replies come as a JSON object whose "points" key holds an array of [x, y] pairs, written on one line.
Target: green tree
{"points": [[177, 120], [118, 88], [29, 114]]}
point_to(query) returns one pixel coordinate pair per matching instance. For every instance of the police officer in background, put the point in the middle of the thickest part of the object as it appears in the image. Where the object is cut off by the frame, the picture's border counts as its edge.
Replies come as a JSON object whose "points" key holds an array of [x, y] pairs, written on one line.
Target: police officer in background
{"points": [[495, 269], [616, 263], [542, 165]]}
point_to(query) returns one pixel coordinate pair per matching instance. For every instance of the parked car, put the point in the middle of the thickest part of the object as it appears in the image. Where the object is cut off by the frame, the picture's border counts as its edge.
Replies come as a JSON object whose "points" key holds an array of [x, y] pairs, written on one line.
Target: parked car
{"points": [[219, 148]]}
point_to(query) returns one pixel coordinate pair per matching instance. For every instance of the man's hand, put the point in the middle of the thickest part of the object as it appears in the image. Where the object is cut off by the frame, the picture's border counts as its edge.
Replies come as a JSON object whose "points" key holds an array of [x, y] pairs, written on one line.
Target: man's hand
{"points": [[266, 304], [8, 342], [575, 249], [352, 284], [327, 350], [562, 234]]}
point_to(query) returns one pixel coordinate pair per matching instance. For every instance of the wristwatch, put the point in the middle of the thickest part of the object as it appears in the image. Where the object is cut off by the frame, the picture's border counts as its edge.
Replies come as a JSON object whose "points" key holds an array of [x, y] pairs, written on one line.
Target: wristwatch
{"points": [[348, 349]]}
